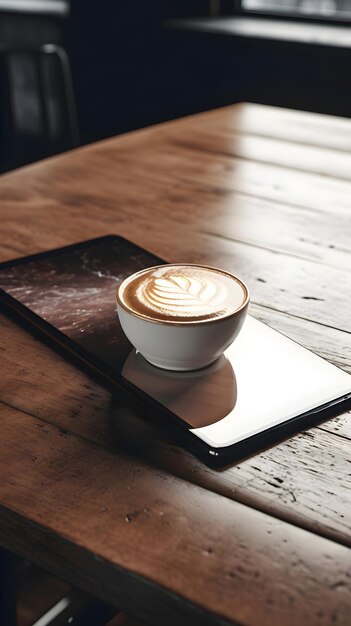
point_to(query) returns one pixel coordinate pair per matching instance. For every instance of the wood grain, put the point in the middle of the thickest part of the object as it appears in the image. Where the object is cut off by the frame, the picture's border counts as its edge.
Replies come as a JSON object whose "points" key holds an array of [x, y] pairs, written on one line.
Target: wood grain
{"points": [[225, 172], [293, 156], [294, 285], [264, 193], [283, 124], [84, 490], [274, 481]]}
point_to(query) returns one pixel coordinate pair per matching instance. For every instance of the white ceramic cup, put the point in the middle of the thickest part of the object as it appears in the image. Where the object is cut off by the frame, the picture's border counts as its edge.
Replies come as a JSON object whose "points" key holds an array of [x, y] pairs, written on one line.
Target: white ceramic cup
{"points": [[182, 346]]}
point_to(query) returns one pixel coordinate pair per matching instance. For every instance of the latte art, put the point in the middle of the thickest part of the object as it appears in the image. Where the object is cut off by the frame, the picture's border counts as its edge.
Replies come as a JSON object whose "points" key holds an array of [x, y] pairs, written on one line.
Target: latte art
{"points": [[182, 293]]}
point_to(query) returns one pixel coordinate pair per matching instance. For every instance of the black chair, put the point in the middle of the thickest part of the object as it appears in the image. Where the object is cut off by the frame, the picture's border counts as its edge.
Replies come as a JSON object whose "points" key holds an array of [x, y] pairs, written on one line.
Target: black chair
{"points": [[73, 607], [38, 111]]}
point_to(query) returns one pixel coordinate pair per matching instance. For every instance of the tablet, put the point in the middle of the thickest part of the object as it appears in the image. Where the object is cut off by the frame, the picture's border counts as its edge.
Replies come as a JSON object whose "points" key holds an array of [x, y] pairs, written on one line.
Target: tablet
{"points": [[262, 388]]}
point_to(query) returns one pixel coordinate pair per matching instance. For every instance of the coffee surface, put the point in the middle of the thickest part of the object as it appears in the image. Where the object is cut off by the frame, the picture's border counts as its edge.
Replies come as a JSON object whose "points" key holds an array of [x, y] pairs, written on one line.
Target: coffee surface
{"points": [[182, 293]]}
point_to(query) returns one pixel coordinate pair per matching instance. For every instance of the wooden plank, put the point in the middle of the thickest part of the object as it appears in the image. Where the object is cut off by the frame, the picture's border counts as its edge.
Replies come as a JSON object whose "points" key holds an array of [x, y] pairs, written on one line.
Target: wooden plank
{"points": [[292, 285], [246, 567], [313, 159], [280, 228], [201, 205], [272, 182], [271, 481], [340, 425], [121, 161], [300, 127], [157, 158], [284, 283], [236, 214]]}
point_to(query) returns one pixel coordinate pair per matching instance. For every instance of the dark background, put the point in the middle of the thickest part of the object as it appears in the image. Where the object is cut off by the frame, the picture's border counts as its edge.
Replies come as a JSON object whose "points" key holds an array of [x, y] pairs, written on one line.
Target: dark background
{"points": [[144, 72], [131, 68]]}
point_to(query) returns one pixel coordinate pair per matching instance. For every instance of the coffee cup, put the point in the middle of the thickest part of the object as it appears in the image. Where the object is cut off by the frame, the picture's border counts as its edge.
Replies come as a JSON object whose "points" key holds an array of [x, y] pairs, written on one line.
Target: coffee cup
{"points": [[182, 316]]}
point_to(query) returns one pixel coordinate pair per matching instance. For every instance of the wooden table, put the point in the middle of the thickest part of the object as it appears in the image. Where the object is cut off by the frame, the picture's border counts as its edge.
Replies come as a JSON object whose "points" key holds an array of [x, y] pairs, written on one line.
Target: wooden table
{"points": [[260, 191]]}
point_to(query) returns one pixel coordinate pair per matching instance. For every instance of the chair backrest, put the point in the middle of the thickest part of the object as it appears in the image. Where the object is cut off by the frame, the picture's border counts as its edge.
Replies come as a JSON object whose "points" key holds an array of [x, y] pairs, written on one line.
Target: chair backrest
{"points": [[38, 112]]}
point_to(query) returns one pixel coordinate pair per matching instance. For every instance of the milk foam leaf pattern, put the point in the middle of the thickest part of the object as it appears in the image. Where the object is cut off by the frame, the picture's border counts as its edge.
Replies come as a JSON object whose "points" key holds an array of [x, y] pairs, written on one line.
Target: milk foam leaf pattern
{"points": [[179, 292]]}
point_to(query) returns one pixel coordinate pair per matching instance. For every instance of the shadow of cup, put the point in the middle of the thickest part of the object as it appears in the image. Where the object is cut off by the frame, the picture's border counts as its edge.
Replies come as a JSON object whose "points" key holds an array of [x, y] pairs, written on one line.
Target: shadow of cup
{"points": [[199, 398]]}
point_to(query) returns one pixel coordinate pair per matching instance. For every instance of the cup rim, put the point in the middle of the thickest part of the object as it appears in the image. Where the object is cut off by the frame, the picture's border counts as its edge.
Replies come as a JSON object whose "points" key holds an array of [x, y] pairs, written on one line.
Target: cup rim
{"points": [[203, 322]]}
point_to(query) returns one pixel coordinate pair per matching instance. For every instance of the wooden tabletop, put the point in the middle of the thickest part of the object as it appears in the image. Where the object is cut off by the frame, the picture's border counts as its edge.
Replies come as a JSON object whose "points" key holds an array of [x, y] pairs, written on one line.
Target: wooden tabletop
{"points": [[263, 192]]}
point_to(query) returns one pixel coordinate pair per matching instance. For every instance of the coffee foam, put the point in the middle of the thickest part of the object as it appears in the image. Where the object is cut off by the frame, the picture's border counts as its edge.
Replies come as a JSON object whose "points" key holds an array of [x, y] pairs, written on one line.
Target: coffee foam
{"points": [[182, 293]]}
